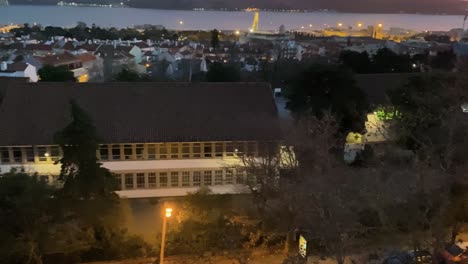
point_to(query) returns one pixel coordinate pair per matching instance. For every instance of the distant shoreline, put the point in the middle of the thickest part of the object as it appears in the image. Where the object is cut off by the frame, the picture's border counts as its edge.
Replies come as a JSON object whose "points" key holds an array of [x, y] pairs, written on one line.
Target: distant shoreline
{"points": [[201, 9]]}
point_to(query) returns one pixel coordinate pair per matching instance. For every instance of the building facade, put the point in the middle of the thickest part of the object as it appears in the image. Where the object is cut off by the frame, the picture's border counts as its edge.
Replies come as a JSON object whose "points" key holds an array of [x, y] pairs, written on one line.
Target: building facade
{"points": [[158, 139]]}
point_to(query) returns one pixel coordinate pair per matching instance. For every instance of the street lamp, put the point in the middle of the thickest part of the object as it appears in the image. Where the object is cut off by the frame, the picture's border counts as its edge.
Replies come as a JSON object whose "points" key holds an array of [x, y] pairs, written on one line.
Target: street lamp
{"points": [[359, 24], [340, 24], [380, 25], [168, 213]]}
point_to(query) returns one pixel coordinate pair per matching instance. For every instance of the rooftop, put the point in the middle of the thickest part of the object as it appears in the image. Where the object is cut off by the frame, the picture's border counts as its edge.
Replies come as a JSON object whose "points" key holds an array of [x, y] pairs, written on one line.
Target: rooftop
{"points": [[141, 112]]}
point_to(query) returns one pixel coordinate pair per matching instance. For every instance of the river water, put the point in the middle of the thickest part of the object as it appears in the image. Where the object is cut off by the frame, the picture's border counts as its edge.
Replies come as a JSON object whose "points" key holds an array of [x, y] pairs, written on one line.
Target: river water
{"points": [[204, 20]]}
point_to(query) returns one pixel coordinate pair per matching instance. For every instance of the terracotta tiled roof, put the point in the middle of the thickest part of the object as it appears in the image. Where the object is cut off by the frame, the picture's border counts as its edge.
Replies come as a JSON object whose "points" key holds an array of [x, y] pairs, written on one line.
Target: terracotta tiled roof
{"points": [[141, 112], [59, 59], [85, 57]]}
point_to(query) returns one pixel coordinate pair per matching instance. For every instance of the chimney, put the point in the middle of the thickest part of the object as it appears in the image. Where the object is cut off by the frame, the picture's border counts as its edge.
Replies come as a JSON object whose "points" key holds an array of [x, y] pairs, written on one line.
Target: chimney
{"points": [[3, 66], [115, 44]]}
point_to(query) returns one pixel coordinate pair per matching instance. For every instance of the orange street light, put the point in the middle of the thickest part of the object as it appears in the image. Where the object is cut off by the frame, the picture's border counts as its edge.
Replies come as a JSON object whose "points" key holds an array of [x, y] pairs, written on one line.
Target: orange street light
{"points": [[168, 213], [359, 24], [340, 24], [380, 25]]}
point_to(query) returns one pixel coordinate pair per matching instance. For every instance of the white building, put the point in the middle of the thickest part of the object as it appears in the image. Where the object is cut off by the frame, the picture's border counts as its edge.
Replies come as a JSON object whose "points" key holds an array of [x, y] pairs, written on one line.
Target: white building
{"points": [[160, 139], [18, 70]]}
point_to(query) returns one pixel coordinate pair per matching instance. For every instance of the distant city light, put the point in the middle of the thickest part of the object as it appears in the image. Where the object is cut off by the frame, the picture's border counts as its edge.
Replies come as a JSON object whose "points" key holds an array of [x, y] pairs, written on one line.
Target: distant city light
{"points": [[359, 24], [340, 24], [302, 27], [380, 25], [181, 22], [310, 25], [251, 30], [237, 32]]}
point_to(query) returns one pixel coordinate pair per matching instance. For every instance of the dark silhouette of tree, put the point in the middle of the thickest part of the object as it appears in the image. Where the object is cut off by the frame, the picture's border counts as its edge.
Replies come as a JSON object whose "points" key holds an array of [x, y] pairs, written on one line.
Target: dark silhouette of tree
{"points": [[126, 75], [358, 62], [219, 72], [55, 74], [387, 61], [444, 60], [214, 38], [323, 88]]}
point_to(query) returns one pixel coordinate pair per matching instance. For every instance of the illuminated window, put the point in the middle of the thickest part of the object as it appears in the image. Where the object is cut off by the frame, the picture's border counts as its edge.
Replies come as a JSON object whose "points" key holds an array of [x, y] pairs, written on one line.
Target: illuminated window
{"points": [[152, 180], [196, 150], [229, 176], [185, 150], [207, 178], [140, 178], [55, 153], [42, 153], [128, 152], [186, 178], [218, 177], [5, 155], [174, 151], [128, 180], [17, 155], [29, 152], [174, 179], [104, 152], [163, 179], [139, 151], [207, 150], [151, 151], [163, 151], [196, 178], [218, 149], [229, 149], [115, 152]]}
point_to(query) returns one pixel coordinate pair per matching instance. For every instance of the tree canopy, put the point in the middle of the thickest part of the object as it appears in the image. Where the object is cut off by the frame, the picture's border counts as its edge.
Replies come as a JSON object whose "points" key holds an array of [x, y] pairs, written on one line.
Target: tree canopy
{"points": [[323, 88], [219, 72], [56, 74]]}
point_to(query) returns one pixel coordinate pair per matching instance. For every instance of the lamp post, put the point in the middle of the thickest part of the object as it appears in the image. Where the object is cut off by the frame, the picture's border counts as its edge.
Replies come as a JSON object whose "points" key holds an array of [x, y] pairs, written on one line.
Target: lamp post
{"points": [[163, 238]]}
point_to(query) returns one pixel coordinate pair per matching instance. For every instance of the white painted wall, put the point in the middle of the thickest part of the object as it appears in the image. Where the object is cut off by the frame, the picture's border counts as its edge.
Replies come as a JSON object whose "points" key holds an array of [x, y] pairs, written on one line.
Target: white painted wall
{"points": [[29, 72], [171, 192]]}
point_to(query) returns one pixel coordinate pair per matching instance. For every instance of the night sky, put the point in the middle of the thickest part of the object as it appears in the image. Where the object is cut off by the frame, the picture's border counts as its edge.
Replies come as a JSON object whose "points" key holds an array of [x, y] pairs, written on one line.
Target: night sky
{"points": [[410, 6]]}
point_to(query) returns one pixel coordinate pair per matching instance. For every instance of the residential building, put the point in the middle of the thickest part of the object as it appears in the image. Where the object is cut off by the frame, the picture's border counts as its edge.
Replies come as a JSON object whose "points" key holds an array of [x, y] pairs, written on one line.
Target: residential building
{"points": [[19, 70], [68, 60], [94, 65], [160, 139]]}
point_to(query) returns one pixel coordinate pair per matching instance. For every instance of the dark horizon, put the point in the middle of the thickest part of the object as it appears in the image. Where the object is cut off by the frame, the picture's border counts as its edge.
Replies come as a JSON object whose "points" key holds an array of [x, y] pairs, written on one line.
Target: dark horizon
{"points": [[364, 6]]}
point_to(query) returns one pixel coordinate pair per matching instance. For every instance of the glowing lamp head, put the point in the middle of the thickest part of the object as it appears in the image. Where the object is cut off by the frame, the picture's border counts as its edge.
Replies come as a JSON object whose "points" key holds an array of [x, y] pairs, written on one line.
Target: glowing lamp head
{"points": [[168, 212], [181, 22], [359, 24], [46, 154], [380, 25], [340, 24]]}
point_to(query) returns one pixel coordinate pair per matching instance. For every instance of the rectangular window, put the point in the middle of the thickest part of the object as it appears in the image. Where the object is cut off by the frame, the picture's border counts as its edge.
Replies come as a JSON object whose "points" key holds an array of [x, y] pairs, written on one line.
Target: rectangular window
{"points": [[151, 151], [118, 181], [115, 152], [218, 150], [196, 178], [104, 152], [163, 179], [186, 150], [128, 180], [17, 155], [218, 177], [196, 150], [139, 151], [174, 151], [29, 152], [174, 179], [163, 151], [140, 180], [229, 176], [239, 148], [207, 150], [240, 176], [42, 153], [251, 148], [55, 153], [186, 178], [128, 152], [152, 180], [229, 149], [5, 155], [207, 178]]}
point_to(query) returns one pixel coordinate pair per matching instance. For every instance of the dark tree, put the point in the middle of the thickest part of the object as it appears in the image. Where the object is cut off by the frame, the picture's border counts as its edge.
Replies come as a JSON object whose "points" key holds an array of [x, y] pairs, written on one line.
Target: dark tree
{"points": [[329, 88], [214, 38], [358, 62], [387, 61], [55, 74], [82, 175], [219, 72], [444, 60], [126, 75]]}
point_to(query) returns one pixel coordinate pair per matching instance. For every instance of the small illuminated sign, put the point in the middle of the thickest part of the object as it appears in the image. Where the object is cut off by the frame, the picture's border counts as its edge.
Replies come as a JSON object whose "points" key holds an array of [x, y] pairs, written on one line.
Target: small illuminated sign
{"points": [[302, 246]]}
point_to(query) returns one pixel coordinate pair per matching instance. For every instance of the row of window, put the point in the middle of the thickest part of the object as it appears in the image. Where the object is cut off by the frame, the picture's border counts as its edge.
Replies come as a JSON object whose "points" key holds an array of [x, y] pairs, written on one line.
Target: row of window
{"points": [[173, 179], [114, 152]]}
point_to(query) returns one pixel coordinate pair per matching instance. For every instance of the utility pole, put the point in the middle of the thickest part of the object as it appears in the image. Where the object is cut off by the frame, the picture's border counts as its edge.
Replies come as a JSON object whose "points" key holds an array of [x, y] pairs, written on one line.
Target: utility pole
{"points": [[163, 236]]}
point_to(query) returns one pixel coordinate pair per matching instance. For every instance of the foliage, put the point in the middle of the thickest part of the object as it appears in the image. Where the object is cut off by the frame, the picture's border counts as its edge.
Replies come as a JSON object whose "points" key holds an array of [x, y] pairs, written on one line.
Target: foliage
{"points": [[55, 74], [214, 38], [127, 75], [322, 88], [444, 60], [219, 72], [358, 62]]}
